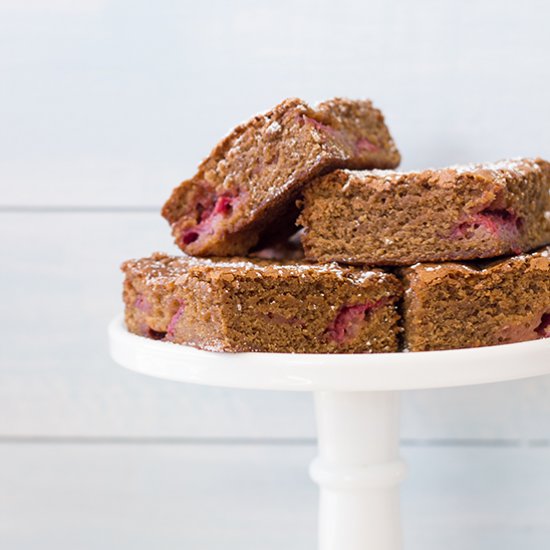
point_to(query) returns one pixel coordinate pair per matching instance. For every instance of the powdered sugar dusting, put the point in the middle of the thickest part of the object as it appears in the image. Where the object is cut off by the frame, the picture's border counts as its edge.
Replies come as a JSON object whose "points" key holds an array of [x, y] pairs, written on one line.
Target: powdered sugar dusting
{"points": [[160, 267], [274, 128], [432, 268], [519, 167], [486, 265]]}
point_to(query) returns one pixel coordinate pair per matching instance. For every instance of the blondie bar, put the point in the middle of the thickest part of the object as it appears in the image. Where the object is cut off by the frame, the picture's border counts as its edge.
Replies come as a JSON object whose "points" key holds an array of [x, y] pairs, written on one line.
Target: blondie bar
{"points": [[258, 305], [456, 213], [458, 305]]}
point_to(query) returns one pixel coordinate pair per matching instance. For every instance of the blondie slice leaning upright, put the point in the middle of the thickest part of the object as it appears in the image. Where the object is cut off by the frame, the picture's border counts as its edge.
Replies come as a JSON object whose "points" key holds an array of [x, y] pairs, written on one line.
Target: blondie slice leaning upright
{"points": [[258, 305], [246, 188], [455, 305], [400, 218]]}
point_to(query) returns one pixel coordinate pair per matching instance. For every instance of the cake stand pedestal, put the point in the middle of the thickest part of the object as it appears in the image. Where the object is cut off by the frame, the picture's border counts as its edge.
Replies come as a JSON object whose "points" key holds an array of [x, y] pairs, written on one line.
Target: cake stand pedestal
{"points": [[358, 468]]}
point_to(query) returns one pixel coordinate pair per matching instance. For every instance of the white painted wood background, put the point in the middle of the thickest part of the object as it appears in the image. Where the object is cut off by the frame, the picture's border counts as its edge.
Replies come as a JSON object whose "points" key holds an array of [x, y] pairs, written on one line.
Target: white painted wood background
{"points": [[105, 106]]}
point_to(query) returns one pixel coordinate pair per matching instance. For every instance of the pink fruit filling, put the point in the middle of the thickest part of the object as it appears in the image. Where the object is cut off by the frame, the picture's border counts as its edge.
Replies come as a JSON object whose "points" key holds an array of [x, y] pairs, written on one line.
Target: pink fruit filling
{"points": [[363, 144], [349, 320], [223, 205], [210, 210], [155, 334], [142, 304], [359, 145], [174, 320], [543, 330], [190, 237], [499, 222], [530, 329], [320, 126]]}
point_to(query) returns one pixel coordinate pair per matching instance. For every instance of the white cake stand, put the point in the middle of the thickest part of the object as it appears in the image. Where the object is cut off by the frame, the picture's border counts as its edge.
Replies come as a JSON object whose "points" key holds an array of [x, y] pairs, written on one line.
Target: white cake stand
{"points": [[357, 406]]}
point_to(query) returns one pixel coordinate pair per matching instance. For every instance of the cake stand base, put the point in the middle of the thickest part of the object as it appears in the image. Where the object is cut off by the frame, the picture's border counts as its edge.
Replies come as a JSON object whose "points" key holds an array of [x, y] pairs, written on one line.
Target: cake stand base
{"points": [[358, 468]]}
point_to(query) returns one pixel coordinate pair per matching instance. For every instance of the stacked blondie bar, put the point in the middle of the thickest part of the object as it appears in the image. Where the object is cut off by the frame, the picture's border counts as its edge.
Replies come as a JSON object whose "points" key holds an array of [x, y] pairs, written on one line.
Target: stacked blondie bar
{"points": [[300, 236]]}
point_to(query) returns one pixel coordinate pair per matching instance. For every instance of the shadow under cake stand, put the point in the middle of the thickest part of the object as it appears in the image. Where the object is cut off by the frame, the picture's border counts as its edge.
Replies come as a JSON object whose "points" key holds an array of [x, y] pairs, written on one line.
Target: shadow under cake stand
{"points": [[357, 409]]}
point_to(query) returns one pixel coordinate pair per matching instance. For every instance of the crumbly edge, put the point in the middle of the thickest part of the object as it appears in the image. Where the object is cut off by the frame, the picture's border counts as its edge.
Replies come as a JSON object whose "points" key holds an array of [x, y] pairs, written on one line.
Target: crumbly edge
{"points": [[450, 306], [159, 308]]}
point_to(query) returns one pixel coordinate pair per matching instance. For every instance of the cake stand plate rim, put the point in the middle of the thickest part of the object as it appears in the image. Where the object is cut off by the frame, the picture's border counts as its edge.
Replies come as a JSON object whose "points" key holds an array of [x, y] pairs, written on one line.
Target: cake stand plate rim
{"points": [[328, 372]]}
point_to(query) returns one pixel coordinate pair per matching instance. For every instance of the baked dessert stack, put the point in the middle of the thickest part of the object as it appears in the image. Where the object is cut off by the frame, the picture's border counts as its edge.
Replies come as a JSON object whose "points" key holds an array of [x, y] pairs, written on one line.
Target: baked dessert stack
{"points": [[245, 190], [480, 227], [392, 261]]}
